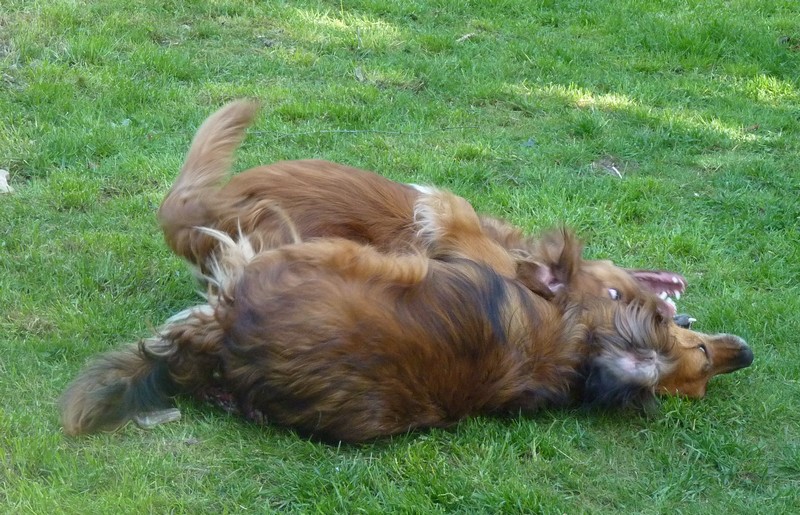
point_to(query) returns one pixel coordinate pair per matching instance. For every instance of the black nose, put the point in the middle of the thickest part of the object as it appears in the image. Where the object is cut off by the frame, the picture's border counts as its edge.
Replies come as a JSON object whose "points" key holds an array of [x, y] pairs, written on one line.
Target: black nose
{"points": [[745, 356]]}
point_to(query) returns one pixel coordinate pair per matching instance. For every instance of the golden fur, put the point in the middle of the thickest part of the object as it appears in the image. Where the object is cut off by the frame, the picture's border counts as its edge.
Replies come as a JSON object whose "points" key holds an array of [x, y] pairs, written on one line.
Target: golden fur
{"points": [[699, 357], [344, 343], [324, 199]]}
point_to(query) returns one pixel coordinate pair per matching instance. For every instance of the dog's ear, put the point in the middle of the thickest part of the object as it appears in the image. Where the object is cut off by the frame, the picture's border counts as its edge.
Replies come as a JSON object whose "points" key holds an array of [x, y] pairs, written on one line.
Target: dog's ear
{"points": [[537, 277], [569, 260], [558, 260], [631, 347]]}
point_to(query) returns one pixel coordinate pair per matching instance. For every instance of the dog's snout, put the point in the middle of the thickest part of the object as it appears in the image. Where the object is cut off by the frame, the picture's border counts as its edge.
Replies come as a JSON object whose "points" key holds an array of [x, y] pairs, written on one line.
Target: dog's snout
{"points": [[744, 356], [736, 354]]}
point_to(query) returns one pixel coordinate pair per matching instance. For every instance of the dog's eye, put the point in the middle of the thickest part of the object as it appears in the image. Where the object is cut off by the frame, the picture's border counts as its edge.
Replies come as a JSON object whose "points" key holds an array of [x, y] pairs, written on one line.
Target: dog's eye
{"points": [[703, 349], [614, 294]]}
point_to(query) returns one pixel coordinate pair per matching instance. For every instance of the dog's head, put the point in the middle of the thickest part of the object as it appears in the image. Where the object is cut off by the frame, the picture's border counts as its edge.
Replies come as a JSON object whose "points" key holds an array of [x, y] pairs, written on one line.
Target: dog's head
{"points": [[627, 284], [603, 279], [694, 357], [699, 357]]}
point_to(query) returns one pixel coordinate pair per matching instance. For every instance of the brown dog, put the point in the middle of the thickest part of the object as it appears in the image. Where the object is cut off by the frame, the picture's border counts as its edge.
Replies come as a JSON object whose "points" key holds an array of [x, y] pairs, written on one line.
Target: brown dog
{"points": [[324, 199], [345, 343]]}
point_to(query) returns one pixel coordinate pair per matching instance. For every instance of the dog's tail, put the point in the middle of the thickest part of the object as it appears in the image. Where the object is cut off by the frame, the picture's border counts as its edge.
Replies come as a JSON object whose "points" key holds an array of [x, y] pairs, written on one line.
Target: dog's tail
{"points": [[141, 378], [209, 160]]}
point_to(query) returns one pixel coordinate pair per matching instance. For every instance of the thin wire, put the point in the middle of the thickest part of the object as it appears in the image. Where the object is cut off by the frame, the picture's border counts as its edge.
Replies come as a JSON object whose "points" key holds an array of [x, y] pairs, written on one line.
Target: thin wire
{"points": [[365, 131]]}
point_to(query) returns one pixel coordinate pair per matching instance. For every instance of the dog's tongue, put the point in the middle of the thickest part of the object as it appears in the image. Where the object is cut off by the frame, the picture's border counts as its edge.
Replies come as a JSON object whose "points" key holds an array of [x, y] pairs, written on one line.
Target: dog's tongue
{"points": [[667, 285]]}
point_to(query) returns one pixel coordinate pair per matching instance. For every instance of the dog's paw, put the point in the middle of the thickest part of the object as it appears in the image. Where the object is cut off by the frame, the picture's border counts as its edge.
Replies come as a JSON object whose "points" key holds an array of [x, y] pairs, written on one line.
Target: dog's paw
{"points": [[684, 320], [152, 419], [4, 186]]}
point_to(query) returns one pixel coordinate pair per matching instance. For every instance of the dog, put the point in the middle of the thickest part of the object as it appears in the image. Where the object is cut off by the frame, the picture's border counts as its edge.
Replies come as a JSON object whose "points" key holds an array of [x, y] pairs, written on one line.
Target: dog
{"points": [[325, 199], [341, 342]]}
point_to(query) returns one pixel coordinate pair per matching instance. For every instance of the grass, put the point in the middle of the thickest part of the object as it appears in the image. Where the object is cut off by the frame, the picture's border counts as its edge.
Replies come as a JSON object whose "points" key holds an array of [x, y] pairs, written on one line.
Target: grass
{"points": [[526, 108]]}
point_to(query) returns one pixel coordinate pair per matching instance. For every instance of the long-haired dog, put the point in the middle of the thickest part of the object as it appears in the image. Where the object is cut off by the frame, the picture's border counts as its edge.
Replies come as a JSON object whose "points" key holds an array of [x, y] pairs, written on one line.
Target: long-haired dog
{"points": [[324, 199], [344, 343]]}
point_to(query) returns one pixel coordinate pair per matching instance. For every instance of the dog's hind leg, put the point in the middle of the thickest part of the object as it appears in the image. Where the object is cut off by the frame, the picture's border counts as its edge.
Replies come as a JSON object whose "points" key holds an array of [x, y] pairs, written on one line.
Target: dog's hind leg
{"points": [[447, 225]]}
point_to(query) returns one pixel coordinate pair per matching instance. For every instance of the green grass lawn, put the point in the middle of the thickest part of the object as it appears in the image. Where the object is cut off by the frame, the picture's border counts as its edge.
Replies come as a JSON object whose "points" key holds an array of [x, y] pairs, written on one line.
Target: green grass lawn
{"points": [[525, 107]]}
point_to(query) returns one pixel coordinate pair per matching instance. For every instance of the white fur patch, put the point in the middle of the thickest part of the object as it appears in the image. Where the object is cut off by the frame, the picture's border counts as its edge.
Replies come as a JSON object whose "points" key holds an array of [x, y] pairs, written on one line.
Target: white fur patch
{"points": [[242, 247], [228, 264], [636, 369], [425, 190], [4, 187], [161, 344], [426, 217], [202, 309]]}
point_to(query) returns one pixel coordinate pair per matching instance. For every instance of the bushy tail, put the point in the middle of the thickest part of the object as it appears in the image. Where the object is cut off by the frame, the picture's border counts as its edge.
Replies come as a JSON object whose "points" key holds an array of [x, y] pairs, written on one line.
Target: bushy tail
{"points": [[141, 378], [113, 389], [209, 160]]}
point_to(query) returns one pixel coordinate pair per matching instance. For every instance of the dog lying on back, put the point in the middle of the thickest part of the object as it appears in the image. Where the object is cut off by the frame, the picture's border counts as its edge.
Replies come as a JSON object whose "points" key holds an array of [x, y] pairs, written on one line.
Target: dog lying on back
{"points": [[324, 199], [344, 343]]}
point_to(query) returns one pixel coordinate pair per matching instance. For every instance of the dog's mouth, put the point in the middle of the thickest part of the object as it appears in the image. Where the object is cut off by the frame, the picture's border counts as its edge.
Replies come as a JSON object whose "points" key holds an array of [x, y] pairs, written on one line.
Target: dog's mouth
{"points": [[668, 286], [668, 302]]}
